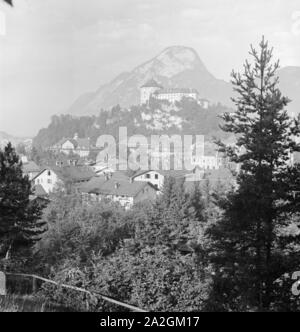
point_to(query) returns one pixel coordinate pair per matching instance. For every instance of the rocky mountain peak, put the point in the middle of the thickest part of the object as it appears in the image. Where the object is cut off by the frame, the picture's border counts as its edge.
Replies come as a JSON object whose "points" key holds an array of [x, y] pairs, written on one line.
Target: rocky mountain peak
{"points": [[170, 62]]}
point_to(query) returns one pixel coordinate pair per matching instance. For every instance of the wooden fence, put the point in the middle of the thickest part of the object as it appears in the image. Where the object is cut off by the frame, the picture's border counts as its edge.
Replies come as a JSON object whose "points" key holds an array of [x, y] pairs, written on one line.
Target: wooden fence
{"points": [[36, 278]]}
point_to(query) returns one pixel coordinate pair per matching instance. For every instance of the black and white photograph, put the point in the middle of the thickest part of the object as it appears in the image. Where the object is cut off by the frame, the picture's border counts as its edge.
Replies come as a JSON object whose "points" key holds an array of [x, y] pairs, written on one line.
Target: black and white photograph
{"points": [[149, 159]]}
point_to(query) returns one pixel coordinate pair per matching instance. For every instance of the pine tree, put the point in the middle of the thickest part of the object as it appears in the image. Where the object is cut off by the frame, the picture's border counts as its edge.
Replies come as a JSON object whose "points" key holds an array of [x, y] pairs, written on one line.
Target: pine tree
{"points": [[19, 216], [247, 257]]}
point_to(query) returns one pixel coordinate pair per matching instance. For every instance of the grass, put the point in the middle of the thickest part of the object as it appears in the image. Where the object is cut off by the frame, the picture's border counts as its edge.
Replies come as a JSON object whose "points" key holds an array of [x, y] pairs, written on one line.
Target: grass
{"points": [[14, 303], [27, 303]]}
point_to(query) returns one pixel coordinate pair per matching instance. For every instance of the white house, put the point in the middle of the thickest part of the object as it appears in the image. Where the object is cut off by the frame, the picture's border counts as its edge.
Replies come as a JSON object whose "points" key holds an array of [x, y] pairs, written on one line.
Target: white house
{"points": [[153, 177], [157, 178], [76, 145], [51, 178], [48, 179]]}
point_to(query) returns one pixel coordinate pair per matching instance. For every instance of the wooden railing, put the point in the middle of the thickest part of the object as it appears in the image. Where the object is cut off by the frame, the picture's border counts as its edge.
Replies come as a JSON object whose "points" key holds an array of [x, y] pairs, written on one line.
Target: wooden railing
{"points": [[106, 298]]}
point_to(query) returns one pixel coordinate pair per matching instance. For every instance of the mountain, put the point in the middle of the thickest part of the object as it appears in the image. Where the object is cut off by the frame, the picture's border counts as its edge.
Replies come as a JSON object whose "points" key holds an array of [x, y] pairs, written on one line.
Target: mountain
{"points": [[290, 86], [5, 138], [175, 67]]}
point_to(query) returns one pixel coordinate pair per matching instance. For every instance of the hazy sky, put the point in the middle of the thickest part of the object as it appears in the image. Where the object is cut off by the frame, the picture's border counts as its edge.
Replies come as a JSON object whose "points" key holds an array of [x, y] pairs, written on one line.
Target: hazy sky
{"points": [[51, 51]]}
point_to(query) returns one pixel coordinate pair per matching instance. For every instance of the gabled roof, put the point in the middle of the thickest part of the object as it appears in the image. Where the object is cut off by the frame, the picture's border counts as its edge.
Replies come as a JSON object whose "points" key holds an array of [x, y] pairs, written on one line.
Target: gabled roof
{"points": [[73, 173], [151, 84], [115, 187], [39, 191], [30, 167], [170, 173]]}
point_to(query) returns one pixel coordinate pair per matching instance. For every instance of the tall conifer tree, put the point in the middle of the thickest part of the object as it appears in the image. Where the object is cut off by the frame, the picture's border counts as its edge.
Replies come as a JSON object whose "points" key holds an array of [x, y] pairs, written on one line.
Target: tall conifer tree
{"points": [[20, 223], [247, 257]]}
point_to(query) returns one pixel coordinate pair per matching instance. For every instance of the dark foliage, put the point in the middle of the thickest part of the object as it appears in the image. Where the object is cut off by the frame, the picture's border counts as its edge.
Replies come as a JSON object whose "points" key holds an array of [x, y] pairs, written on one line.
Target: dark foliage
{"points": [[20, 224], [249, 254], [195, 120]]}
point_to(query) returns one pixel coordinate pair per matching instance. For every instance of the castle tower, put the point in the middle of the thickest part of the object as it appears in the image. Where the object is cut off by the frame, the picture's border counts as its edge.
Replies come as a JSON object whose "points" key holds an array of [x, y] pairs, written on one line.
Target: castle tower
{"points": [[148, 89]]}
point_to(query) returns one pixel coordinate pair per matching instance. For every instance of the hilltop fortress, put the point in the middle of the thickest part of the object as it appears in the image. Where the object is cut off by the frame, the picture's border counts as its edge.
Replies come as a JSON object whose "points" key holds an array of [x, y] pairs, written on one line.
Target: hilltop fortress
{"points": [[154, 90]]}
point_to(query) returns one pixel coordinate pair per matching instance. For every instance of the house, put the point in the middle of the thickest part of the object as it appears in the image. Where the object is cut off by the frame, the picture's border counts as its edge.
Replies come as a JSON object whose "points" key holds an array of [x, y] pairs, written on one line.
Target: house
{"points": [[154, 90], [51, 178], [48, 179], [157, 178], [30, 169], [76, 145], [118, 188]]}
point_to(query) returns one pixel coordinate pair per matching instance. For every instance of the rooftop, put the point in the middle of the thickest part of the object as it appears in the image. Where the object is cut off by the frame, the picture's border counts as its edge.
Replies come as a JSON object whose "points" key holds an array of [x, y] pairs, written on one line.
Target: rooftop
{"points": [[113, 186], [39, 191], [76, 174], [30, 167], [168, 173]]}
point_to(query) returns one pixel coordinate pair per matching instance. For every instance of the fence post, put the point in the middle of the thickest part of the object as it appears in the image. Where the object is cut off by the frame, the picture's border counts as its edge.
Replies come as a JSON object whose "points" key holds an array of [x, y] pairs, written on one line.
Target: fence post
{"points": [[34, 285], [3, 291]]}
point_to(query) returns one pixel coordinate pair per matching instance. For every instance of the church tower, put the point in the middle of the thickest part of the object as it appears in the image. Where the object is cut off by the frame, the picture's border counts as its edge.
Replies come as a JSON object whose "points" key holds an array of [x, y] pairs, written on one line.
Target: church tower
{"points": [[148, 89]]}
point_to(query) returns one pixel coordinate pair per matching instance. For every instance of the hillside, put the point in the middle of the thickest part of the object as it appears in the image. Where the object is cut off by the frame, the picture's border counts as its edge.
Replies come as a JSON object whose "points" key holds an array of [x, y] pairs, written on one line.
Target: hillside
{"points": [[5, 138], [187, 117]]}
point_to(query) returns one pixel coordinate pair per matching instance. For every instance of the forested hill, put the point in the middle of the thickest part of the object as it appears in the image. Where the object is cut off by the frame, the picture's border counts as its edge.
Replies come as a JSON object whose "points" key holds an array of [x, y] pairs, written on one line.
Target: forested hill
{"points": [[187, 117]]}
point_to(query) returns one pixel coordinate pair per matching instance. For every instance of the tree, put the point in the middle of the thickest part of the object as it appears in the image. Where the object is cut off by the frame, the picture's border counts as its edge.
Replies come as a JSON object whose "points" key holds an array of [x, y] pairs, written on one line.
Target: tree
{"points": [[9, 2], [20, 223], [247, 256], [134, 256]]}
